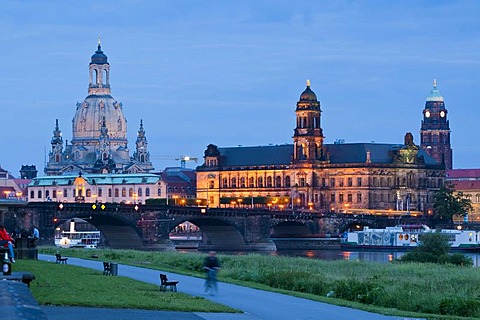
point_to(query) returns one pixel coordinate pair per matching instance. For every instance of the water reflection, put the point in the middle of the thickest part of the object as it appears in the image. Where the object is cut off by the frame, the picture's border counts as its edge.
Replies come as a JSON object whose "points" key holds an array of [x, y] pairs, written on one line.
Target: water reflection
{"points": [[375, 256]]}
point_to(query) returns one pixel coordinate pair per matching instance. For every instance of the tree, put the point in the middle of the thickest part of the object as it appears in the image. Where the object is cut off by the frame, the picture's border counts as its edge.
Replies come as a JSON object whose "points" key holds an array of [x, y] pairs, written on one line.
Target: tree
{"points": [[434, 248], [448, 203]]}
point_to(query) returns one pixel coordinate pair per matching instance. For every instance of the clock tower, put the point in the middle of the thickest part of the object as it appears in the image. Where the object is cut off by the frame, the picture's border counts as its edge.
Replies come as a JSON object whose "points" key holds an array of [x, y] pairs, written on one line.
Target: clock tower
{"points": [[308, 135], [435, 130]]}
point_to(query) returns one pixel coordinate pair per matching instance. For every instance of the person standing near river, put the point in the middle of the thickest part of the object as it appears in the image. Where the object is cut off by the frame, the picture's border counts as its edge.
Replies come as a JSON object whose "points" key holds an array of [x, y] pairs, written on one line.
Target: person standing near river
{"points": [[211, 266]]}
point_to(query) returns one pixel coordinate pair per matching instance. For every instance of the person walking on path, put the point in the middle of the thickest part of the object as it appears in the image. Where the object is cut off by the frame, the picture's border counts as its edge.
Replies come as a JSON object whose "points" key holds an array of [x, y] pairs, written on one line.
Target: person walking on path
{"points": [[211, 266], [7, 241]]}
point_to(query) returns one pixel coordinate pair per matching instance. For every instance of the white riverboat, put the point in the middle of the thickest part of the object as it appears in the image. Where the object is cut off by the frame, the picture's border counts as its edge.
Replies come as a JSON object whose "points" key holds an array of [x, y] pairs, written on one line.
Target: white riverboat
{"points": [[77, 239], [406, 237]]}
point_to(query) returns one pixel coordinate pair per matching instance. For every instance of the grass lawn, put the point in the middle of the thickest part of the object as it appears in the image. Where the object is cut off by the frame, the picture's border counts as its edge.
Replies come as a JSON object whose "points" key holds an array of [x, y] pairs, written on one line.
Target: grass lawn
{"points": [[67, 285], [416, 290]]}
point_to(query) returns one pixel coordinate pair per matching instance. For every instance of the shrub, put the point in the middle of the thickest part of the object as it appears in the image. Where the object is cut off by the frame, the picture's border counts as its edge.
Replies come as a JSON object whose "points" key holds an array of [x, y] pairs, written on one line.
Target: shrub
{"points": [[434, 248], [459, 259], [463, 307]]}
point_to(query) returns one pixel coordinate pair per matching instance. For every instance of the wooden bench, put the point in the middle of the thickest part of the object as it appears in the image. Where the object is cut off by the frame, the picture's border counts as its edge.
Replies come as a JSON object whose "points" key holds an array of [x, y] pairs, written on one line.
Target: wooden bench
{"points": [[107, 269], [167, 284], [60, 259]]}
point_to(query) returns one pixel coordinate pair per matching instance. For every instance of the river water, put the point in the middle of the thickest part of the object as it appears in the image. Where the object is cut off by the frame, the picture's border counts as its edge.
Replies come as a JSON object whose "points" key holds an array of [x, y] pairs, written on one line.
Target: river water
{"points": [[376, 256]]}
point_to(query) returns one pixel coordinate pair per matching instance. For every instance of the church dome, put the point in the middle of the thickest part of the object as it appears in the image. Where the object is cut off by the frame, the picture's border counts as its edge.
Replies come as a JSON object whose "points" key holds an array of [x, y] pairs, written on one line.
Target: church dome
{"points": [[99, 57], [434, 94], [90, 115], [308, 94]]}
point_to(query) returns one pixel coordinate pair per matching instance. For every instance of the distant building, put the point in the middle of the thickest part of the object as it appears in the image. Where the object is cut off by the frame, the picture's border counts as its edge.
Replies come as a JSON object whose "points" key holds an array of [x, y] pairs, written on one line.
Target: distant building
{"points": [[468, 182], [435, 130], [338, 177], [97, 188], [12, 188], [28, 172], [181, 185], [99, 127]]}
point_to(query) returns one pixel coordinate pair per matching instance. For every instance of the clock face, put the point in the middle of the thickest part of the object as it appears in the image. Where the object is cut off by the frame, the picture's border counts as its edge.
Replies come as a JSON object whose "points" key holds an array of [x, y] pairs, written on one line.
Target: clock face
{"points": [[427, 114], [442, 114]]}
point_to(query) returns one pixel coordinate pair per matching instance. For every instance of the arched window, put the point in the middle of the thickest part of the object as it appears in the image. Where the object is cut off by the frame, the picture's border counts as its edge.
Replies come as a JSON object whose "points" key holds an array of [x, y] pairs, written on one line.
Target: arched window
{"points": [[47, 194], [130, 192], [124, 192], [105, 77], [88, 193], [278, 182], [117, 194], [260, 182], [251, 182], [140, 192], [39, 194], [159, 192], [100, 192], [287, 181], [225, 183], [32, 194], [269, 182], [234, 182], [147, 192], [109, 192]]}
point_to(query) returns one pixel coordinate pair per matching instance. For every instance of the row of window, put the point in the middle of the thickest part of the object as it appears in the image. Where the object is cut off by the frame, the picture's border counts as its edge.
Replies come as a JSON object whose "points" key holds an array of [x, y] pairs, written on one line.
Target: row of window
{"points": [[88, 193], [270, 182]]}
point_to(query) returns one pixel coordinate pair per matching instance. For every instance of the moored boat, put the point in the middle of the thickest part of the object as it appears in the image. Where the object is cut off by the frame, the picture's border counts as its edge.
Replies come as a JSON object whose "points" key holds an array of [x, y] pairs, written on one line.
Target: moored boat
{"points": [[407, 237]]}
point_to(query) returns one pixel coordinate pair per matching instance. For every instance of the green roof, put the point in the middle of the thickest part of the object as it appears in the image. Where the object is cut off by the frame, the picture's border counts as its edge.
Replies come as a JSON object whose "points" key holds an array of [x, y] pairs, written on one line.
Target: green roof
{"points": [[98, 179]]}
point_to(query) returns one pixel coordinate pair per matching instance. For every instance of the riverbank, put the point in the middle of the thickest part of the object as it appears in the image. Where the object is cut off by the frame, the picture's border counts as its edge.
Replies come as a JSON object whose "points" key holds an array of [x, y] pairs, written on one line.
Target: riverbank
{"points": [[390, 288]]}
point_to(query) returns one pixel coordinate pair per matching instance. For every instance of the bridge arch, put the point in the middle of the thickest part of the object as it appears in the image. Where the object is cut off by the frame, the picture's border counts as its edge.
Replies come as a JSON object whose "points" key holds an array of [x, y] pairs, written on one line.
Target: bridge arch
{"points": [[217, 234], [290, 228], [118, 233]]}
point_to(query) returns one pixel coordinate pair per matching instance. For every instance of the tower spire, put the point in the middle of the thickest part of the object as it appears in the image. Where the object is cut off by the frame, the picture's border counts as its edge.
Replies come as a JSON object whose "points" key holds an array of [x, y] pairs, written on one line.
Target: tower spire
{"points": [[434, 83]]}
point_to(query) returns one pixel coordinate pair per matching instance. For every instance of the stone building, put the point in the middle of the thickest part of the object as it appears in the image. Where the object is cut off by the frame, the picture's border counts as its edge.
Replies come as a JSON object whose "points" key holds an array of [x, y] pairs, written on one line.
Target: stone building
{"points": [[467, 181], [99, 132], [309, 174]]}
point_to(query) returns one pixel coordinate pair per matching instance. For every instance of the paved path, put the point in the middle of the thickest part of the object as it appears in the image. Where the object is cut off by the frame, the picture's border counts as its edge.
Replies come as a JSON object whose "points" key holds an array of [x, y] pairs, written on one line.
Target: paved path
{"points": [[256, 304]]}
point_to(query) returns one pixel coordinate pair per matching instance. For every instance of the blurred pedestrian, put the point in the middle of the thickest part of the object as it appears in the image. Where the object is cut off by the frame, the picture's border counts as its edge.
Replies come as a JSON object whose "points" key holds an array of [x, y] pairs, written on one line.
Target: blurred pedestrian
{"points": [[211, 266]]}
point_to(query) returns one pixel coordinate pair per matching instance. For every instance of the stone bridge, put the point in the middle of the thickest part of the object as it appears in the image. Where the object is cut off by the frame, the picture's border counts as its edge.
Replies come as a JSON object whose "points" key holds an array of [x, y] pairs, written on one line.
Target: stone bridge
{"points": [[148, 227]]}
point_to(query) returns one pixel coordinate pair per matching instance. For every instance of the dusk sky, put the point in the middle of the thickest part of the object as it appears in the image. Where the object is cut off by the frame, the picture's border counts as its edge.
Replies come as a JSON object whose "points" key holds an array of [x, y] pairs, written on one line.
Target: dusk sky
{"points": [[230, 72]]}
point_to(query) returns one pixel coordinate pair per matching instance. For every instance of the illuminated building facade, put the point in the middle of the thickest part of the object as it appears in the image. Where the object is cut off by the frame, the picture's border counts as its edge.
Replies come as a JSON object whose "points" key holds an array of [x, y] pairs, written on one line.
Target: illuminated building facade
{"points": [[97, 188], [309, 174]]}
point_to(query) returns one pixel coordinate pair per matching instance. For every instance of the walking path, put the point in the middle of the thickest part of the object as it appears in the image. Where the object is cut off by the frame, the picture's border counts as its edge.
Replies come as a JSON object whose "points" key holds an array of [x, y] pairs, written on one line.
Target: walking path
{"points": [[256, 304]]}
